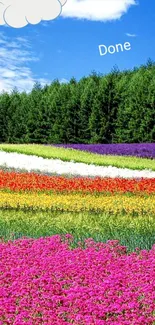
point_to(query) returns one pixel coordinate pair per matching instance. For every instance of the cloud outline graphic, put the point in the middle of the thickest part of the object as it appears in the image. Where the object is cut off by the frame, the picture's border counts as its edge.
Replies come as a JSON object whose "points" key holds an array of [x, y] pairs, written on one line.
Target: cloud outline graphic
{"points": [[20, 13]]}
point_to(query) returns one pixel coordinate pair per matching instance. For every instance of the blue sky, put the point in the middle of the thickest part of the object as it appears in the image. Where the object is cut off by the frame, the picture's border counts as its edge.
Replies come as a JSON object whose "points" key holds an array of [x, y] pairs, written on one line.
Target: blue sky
{"points": [[68, 46]]}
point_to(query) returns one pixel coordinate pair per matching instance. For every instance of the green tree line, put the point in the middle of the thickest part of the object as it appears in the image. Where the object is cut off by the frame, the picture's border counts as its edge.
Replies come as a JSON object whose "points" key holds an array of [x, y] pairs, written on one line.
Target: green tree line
{"points": [[115, 108]]}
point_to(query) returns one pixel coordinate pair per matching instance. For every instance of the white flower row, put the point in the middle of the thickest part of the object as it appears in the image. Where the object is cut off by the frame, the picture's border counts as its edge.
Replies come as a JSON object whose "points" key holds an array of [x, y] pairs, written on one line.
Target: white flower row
{"points": [[57, 166]]}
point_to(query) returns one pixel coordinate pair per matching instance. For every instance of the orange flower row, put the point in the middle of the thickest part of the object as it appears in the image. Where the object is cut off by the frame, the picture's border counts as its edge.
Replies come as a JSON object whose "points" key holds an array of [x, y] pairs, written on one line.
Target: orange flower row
{"points": [[31, 181]]}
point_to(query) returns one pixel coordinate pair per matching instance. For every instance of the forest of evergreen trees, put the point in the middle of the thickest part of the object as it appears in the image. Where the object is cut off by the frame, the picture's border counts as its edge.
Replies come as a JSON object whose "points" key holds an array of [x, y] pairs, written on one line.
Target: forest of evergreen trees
{"points": [[115, 108]]}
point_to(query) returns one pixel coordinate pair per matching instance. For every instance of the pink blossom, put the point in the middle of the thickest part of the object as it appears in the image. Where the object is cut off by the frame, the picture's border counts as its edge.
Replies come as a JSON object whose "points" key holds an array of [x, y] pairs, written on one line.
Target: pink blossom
{"points": [[43, 281]]}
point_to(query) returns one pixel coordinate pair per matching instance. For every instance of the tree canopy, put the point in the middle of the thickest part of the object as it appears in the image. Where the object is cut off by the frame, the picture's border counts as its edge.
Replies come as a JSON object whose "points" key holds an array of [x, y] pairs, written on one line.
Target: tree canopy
{"points": [[115, 108]]}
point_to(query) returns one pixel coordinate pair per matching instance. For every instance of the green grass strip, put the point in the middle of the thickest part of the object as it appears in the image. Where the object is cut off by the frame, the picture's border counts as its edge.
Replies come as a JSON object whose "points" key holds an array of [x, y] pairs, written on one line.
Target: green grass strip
{"points": [[130, 231], [80, 156]]}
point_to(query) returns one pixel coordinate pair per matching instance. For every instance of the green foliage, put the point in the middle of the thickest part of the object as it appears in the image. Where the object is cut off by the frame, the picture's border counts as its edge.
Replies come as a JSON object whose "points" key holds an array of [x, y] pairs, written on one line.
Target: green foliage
{"points": [[113, 108], [130, 231]]}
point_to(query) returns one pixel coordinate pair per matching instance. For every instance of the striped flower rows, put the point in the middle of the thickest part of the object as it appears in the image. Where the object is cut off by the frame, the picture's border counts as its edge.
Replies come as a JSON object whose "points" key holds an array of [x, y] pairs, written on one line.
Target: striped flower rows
{"points": [[32, 181], [78, 202], [56, 166], [68, 279], [122, 149]]}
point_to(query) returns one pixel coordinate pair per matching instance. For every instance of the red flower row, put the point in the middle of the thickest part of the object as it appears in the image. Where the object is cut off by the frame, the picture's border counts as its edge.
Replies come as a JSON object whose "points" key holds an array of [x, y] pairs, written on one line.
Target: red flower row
{"points": [[31, 181]]}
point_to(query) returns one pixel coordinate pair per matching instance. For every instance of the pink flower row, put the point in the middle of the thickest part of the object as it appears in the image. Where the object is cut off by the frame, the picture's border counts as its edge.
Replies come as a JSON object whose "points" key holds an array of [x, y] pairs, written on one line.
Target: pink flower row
{"points": [[44, 281]]}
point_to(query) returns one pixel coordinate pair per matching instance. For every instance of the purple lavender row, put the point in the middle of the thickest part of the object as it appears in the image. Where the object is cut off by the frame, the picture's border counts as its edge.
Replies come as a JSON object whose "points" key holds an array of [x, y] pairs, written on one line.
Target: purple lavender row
{"points": [[143, 150]]}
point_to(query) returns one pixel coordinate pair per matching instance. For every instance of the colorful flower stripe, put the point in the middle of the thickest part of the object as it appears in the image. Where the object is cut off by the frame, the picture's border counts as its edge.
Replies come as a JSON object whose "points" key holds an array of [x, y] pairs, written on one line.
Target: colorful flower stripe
{"points": [[102, 166], [146, 150], [43, 281], [77, 202], [31, 181]]}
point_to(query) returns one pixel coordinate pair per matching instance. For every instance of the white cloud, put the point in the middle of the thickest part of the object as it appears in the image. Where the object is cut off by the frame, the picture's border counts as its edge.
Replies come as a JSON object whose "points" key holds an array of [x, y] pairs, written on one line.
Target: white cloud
{"points": [[19, 13], [131, 35], [15, 57], [101, 10]]}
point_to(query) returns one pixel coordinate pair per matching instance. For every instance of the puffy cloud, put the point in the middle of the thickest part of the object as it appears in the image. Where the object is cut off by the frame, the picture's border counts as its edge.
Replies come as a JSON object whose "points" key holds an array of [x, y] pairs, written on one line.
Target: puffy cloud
{"points": [[19, 13], [101, 10]]}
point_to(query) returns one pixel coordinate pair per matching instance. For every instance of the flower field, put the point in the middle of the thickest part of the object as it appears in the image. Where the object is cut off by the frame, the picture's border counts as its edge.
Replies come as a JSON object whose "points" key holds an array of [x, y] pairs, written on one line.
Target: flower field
{"points": [[144, 150], [45, 282], [31, 181], [77, 235]]}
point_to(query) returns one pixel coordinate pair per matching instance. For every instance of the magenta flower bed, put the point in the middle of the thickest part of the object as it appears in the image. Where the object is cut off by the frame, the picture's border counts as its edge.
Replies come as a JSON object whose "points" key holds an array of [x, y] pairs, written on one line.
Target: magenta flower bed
{"points": [[43, 281], [144, 150]]}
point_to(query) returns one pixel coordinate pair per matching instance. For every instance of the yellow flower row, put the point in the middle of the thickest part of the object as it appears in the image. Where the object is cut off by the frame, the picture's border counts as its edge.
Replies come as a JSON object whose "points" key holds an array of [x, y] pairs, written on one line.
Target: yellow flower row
{"points": [[77, 202]]}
